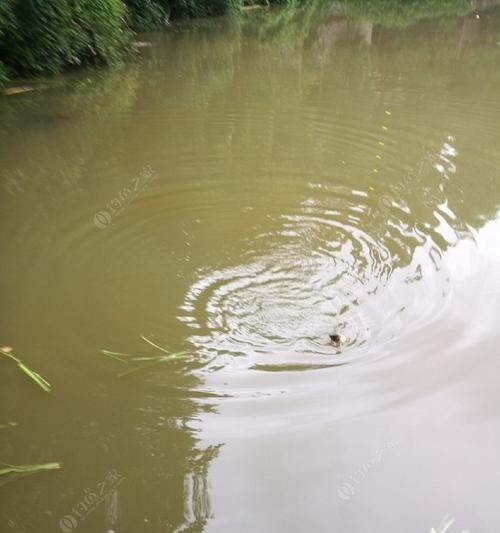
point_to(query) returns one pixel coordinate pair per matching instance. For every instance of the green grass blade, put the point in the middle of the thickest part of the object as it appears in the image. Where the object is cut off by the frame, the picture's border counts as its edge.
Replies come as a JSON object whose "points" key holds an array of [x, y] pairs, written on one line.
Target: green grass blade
{"points": [[115, 355], [28, 469], [155, 345], [119, 354], [148, 360], [15, 472], [8, 425], [45, 385]]}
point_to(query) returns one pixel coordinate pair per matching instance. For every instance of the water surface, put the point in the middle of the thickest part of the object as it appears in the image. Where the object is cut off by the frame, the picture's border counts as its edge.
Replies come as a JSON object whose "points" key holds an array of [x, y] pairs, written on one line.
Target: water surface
{"points": [[246, 189]]}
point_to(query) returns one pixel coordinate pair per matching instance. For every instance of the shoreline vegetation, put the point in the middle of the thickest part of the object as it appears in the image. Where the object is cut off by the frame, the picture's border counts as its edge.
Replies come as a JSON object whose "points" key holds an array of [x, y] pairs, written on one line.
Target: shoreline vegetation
{"points": [[44, 37]]}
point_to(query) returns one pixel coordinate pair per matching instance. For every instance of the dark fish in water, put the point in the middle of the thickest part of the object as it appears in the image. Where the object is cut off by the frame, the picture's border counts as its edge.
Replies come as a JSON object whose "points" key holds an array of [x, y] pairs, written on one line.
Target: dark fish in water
{"points": [[337, 339]]}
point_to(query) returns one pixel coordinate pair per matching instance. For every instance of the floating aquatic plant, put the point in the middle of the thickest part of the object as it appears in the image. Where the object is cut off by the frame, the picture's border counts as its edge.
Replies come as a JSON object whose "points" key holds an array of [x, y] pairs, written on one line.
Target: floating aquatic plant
{"points": [[8, 425], [13, 472], [41, 382], [143, 360], [9, 472]]}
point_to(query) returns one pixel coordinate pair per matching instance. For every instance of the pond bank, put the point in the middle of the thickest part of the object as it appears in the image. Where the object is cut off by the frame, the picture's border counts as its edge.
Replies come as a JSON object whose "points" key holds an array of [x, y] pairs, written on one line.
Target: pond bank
{"points": [[54, 36]]}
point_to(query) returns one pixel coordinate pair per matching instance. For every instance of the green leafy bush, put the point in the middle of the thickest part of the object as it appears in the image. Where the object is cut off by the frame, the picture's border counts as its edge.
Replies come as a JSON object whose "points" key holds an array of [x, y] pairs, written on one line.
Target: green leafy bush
{"points": [[99, 35], [195, 8], [6, 20], [145, 15], [398, 13], [37, 39], [45, 36], [151, 14], [3, 75]]}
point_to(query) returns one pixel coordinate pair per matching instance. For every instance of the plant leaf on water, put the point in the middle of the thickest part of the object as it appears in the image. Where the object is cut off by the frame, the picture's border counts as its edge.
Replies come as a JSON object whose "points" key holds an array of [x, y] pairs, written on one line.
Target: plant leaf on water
{"points": [[32, 469], [153, 344], [41, 382], [8, 425], [148, 360], [13, 472], [116, 355], [45, 385]]}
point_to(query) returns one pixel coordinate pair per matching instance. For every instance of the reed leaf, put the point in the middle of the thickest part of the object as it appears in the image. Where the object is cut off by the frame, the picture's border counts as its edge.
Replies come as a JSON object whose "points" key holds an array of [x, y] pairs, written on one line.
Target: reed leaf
{"points": [[41, 382], [115, 355], [155, 345], [30, 469], [44, 384], [148, 360], [8, 425], [14, 472]]}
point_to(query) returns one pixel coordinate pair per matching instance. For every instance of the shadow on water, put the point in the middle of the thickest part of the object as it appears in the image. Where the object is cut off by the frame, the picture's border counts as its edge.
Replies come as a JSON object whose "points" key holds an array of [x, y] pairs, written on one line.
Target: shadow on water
{"points": [[313, 168]]}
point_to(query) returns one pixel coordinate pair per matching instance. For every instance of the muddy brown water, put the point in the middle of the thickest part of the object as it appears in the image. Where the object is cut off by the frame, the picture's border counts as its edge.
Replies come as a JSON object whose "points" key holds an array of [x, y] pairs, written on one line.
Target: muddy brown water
{"points": [[240, 194]]}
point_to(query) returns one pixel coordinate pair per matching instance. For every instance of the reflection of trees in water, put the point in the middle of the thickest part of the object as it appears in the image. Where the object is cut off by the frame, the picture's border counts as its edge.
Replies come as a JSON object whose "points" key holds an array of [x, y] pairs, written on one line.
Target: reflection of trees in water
{"points": [[298, 64], [420, 56], [53, 134], [50, 141]]}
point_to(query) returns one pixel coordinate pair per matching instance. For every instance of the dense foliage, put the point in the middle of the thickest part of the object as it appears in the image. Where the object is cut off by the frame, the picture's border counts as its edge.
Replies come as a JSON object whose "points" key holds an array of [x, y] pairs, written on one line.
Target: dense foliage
{"points": [[147, 15], [397, 13], [4, 21], [45, 36]]}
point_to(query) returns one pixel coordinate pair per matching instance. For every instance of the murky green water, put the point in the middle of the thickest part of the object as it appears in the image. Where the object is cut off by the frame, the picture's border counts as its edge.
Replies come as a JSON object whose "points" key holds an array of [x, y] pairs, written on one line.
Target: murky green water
{"points": [[241, 194]]}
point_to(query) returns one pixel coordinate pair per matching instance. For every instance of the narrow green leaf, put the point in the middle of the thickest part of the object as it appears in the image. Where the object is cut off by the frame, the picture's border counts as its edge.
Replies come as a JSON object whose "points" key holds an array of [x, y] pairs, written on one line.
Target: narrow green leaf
{"points": [[28, 469], [15, 472], [148, 360], [155, 345], [45, 385], [8, 425], [109, 352], [114, 356]]}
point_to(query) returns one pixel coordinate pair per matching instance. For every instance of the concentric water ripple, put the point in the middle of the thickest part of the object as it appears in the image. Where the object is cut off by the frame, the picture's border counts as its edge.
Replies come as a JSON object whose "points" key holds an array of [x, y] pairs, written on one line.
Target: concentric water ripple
{"points": [[320, 273]]}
